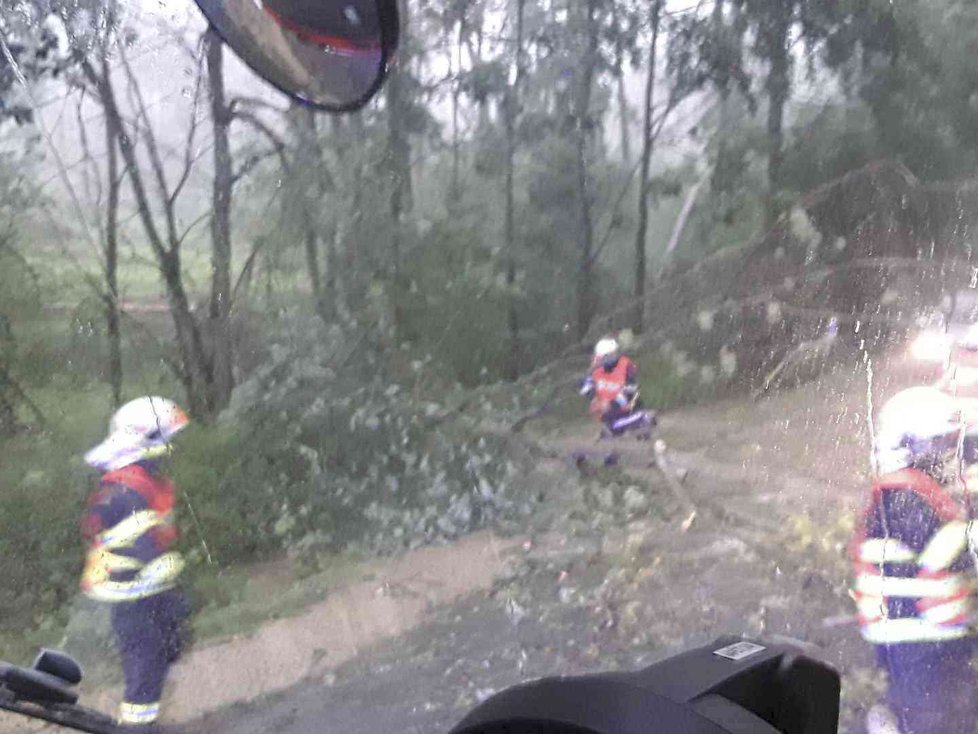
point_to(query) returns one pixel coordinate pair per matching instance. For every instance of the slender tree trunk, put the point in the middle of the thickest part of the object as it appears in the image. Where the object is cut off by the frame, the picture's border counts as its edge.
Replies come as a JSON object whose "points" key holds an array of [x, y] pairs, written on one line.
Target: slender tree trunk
{"points": [[356, 204], [778, 86], [399, 163], [619, 69], [396, 142], [723, 124], [196, 369], [638, 320], [512, 111], [220, 306], [456, 189], [313, 198], [112, 267], [582, 134]]}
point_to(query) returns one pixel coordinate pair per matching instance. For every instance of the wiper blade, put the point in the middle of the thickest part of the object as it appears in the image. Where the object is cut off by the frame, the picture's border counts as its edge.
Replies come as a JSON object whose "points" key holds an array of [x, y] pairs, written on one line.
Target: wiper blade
{"points": [[71, 716]]}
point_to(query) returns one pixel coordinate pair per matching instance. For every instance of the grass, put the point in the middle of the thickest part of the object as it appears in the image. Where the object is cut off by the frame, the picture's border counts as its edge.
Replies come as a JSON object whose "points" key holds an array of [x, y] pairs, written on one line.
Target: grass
{"points": [[139, 279]]}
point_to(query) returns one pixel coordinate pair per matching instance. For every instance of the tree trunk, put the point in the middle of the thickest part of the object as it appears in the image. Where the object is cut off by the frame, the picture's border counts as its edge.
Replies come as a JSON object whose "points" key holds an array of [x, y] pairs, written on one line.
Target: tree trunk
{"points": [[322, 282], [512, 104], [582, 135], [623, 111], [112, 267], [455, 193], [638, 320], [399, 165], [354, 264], [330, 291], [220, 306], [723, 117], [195, 373], [777, 85]]}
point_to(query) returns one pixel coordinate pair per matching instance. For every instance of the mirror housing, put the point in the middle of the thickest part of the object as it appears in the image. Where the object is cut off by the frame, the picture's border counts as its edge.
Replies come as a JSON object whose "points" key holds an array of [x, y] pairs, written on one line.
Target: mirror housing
{"points": [[59, 664]]}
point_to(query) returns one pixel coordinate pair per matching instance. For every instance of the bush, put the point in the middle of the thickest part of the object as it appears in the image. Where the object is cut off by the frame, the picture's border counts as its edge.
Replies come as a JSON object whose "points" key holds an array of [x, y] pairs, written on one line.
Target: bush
{"points": [[38, 532], [306, 461]]}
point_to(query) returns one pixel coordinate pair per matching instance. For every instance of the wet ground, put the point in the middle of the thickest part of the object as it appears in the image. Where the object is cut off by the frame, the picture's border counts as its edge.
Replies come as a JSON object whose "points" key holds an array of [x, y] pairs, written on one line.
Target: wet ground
{"points": [[612, 580]]}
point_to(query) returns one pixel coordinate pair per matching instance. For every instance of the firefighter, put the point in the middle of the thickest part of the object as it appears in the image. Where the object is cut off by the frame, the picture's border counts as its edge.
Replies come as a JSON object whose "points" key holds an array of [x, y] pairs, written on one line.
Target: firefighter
{"points": [[612, 387], [130, 564], [915, 575]]}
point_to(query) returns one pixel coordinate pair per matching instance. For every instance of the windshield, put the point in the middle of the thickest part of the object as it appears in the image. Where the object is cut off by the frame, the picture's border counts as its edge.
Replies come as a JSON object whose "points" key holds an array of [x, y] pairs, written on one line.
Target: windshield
{"points": [[563, 355]]}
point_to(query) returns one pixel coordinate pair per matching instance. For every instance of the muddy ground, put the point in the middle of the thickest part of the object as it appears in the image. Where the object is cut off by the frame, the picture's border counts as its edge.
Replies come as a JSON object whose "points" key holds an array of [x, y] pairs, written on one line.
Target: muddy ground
{"points": [[604, 576], [607, 578]]}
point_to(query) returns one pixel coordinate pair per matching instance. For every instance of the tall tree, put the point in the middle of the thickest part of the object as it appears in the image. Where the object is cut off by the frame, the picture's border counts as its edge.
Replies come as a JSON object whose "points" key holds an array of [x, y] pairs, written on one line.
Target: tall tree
{"points": [[112, 313], [644, 185], [511, 104], [582, 123], [774, 26], [622, 38], [222, 373], [399, 174], [195, 369]]}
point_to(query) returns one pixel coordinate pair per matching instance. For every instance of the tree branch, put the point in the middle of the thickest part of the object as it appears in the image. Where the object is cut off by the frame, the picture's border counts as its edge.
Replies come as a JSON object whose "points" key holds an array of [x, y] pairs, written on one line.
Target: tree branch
{"points": [[188, 157], [265, 130], [236, 102], [250, 163], [6, 377], [152, 148], [107, 96], [87, 156], [202, 218]]}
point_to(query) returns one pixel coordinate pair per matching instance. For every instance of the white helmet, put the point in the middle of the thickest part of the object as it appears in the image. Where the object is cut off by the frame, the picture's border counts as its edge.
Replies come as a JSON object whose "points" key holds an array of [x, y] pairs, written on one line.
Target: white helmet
{"points": [[606, 348], [140, 429], [919, 427]]}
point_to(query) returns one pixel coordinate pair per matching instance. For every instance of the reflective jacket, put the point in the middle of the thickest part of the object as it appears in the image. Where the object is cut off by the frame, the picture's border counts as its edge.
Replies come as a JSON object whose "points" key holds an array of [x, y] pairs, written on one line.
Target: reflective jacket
{"points": [[128, 527], [915, 576], [619, 384]]}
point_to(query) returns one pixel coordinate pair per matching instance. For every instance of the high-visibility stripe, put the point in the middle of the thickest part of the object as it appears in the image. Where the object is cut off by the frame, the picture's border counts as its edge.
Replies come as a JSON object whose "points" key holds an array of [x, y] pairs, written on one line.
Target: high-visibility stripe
{"points": [[911, 629], [944, 586], [129, 530], [944, 548], [933, 601], [139, 713], [100, 564], [157, 576], [870, 607], [114, 561], [118, 591], [885, 550], [949, 611]]}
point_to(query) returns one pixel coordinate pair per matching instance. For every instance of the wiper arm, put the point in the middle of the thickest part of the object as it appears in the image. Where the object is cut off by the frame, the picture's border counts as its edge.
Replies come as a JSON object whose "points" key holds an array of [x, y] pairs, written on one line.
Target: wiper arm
{"points": [[71, 716]]}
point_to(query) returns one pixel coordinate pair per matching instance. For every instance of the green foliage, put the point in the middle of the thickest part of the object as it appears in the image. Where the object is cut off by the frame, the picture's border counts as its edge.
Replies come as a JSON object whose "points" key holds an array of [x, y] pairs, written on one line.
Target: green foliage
{"points": [[454, 307], [662, 387], [308, 461]]}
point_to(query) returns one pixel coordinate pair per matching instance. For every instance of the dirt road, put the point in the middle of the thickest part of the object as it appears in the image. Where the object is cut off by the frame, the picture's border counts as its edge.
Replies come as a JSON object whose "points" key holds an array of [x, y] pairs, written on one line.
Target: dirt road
{"points": [[778, 482]]}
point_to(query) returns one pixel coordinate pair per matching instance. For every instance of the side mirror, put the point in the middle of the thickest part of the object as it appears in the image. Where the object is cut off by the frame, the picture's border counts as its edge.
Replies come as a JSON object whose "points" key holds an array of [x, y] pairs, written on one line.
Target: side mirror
{"points": [[47, 691], [51, 679], [59, 664], [330, 54]]}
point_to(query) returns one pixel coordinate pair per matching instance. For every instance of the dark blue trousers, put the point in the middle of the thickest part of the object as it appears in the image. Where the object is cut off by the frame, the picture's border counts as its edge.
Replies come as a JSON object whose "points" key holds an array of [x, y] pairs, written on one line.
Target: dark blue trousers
{"points": [[932, 686], [149, 634]]}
